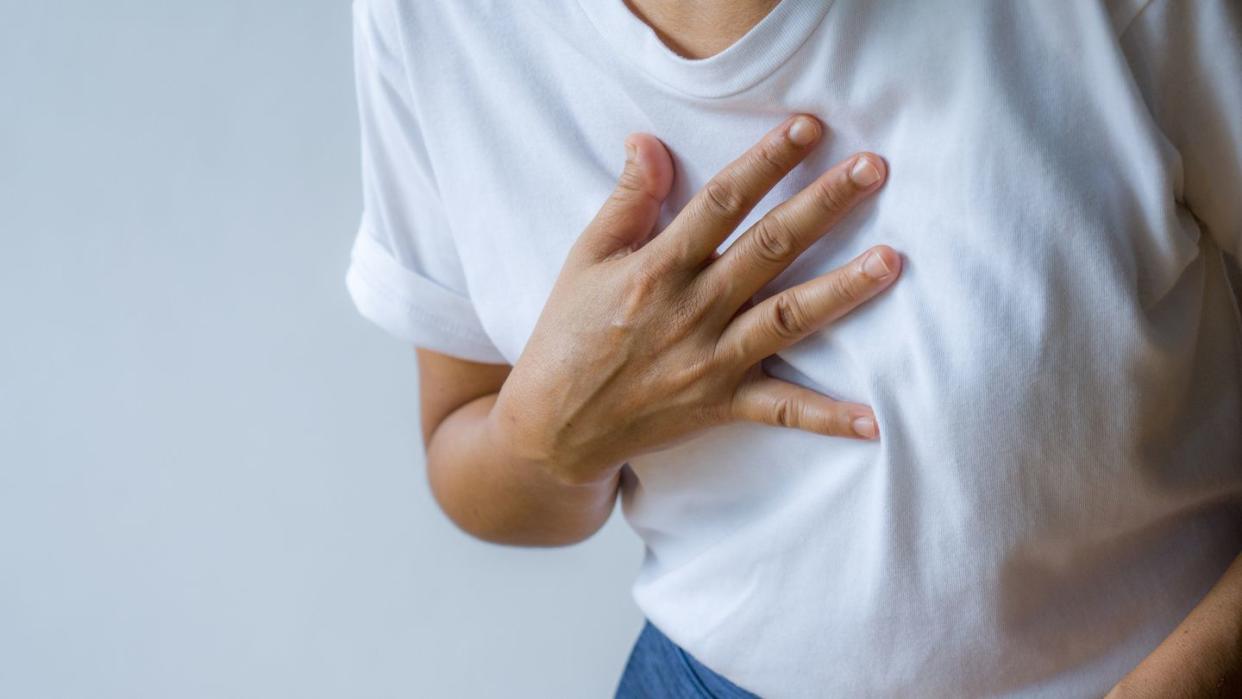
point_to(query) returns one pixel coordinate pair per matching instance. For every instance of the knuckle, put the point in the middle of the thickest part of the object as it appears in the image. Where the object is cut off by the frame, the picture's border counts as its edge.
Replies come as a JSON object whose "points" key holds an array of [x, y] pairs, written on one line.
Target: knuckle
{"points": [[837, 424], [684, 312], [730, 353], [788, 317], [845, 287], [771, 240], [702, 298], [771, 157], [722, 199], [693, 379], [635, 299], [645, 281], [785, 412], [630, 182], [834, 195]]}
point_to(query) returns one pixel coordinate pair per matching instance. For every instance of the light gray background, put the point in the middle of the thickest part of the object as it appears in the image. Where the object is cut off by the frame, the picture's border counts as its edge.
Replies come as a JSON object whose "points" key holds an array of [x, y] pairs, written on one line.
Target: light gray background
{"points": [[210, 472]]}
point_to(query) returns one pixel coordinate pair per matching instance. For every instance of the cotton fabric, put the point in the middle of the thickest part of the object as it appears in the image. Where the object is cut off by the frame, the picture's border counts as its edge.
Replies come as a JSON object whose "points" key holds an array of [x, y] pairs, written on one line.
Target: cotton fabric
{"points": [[1056, 373]]}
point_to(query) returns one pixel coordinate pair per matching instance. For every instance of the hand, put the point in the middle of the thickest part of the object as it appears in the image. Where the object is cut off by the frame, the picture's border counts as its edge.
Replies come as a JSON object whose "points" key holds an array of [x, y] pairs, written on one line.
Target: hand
{"points": [[645, 340]]}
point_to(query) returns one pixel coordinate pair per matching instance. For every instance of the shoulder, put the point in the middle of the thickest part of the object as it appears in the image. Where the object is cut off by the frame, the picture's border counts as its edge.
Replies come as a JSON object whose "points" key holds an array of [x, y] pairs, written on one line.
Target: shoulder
{"points": [[423, 21], [467, 46], [399, 26], [419, 22]]}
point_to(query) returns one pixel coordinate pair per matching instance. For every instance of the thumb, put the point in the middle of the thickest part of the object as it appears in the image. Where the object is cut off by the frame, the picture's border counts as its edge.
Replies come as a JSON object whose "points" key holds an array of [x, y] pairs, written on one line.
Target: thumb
{"points": [[626, 219]]}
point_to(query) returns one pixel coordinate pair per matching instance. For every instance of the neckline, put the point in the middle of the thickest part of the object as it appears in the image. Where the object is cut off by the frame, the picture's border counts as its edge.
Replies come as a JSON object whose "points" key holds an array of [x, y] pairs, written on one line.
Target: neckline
{"points": [[750, 59]]}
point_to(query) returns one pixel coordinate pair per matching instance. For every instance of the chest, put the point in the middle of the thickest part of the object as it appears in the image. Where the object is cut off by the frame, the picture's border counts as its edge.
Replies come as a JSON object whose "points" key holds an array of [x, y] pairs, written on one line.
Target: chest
{"points": [[1022, 164]]}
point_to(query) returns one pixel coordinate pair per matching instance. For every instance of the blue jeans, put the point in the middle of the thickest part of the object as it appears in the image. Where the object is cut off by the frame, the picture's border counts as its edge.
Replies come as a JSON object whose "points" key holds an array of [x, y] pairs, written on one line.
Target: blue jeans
{"points": [[660, 668]]}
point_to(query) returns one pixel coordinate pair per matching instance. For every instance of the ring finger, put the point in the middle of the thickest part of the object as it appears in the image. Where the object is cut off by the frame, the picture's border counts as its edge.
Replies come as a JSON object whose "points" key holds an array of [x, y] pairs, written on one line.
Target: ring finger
{"points": [[785, 318]]}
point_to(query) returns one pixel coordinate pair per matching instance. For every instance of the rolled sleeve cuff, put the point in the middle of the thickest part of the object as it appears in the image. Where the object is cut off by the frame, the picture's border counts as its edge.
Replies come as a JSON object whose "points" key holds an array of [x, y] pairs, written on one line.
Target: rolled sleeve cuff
{"points": [[413, 307]]}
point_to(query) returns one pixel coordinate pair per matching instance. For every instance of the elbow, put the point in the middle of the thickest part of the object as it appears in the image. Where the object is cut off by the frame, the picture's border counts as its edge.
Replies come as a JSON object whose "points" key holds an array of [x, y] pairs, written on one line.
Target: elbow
{"points": [[499, 521], [525, 538], [495, 530]]}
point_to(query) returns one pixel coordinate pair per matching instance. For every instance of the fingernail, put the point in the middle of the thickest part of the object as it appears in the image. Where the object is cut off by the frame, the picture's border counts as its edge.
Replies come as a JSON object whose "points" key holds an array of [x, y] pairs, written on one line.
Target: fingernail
{"points": [[630, 152], [874, 266], [802, 131], [864, 427], [864, 173]]}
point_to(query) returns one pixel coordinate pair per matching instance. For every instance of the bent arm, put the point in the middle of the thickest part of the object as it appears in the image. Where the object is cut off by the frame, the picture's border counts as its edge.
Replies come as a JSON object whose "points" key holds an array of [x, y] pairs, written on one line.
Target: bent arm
{"points": [[486, 490], [1203, 655]]}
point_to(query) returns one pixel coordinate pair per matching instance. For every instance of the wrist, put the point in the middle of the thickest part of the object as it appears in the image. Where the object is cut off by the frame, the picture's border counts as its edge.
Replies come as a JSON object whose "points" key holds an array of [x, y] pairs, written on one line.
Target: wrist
{"points": [[509, 431]]}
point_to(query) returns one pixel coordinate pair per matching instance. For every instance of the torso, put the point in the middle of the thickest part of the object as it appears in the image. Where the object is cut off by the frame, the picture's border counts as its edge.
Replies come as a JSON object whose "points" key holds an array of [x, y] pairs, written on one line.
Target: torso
{"points": [[1045, 499]]}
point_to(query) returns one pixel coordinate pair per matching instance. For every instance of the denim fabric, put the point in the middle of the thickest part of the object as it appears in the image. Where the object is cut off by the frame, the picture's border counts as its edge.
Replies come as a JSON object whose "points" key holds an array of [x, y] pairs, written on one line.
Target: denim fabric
{"points": [[659, 668]]}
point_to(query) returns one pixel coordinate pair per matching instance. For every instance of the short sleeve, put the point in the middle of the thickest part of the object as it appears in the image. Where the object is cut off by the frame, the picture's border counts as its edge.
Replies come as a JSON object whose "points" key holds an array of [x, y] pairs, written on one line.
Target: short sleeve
{"points": [[404, 274], [1186, 56]]}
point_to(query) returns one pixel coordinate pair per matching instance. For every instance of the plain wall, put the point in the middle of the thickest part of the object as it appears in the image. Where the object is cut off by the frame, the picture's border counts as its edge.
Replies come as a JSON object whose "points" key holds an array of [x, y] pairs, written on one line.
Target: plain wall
{"points": [[210, 470]]}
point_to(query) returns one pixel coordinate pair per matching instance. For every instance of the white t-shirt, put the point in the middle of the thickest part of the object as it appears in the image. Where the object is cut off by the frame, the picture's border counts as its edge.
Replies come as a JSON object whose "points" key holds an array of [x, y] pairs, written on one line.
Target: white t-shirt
{"points": [[1057, 372]]}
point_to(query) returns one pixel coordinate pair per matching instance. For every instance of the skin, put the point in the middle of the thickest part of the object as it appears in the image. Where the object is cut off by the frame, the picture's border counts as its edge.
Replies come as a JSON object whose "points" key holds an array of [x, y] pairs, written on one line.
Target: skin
{"points": [[700, 28], [645, 341], [1203, 655]]}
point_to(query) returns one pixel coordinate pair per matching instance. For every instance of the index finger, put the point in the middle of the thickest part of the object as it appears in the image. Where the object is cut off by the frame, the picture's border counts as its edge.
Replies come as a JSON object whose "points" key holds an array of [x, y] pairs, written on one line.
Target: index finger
{"points": [[717, 209]]}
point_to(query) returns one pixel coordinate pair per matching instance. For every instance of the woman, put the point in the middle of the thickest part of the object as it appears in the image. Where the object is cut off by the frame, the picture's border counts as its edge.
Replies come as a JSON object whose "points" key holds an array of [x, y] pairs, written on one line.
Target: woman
{"points": [[904, 337]]}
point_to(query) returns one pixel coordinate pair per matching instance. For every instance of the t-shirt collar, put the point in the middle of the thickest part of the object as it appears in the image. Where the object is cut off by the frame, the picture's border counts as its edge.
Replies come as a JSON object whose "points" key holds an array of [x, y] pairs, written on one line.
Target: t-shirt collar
{"points": [[749, 60]]}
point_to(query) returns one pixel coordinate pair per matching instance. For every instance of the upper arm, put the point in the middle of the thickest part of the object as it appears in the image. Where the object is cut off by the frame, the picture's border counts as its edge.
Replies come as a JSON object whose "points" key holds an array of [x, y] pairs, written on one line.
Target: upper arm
{"points": [[445, 383], [406, 273]]}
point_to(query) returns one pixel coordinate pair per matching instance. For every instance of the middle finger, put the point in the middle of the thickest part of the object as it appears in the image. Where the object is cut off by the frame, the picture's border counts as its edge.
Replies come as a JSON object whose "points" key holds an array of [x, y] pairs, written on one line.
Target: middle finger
{"points": [[773, 242]]}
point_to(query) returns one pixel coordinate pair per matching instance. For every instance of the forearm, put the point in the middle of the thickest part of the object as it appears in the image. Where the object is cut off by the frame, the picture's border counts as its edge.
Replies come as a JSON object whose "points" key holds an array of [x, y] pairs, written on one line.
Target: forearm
{"points": [[493, 495], [1203, 655]]}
